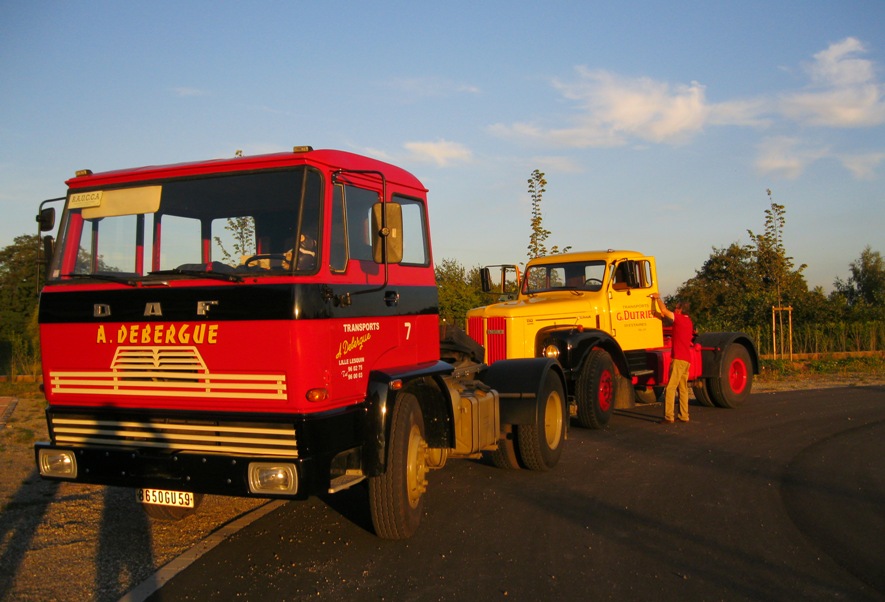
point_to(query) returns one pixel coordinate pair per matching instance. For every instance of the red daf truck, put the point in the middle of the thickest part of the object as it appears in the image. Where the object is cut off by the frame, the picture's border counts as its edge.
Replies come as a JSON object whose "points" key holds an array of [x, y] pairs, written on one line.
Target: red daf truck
{"points": [[268, 326]]}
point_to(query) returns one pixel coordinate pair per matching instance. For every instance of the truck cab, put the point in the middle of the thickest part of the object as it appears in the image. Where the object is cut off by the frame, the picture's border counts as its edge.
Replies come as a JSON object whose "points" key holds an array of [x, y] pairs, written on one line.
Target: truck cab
{"points": [[607, 291], [593, 312]]}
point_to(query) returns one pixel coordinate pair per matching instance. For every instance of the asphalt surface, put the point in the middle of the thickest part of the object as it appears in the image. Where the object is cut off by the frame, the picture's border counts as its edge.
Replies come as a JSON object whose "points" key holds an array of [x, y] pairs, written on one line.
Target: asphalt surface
{"points": [[782, 498]]}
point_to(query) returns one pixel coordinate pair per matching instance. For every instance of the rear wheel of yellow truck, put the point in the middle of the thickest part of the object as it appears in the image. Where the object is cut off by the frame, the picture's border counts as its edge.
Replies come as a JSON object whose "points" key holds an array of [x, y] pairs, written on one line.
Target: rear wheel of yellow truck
{"points": [[396, 498]]}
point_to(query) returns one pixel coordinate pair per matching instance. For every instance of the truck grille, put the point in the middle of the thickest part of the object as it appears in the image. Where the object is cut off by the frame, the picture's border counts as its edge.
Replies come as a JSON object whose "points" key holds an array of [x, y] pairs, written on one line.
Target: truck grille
{"points": [[492, 334], [257, 439], [166, 372]]}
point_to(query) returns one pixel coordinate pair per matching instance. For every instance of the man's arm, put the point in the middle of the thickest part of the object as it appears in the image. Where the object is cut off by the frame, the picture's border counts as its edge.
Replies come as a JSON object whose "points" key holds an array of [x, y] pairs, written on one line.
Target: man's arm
{"points": [[663, 308]]}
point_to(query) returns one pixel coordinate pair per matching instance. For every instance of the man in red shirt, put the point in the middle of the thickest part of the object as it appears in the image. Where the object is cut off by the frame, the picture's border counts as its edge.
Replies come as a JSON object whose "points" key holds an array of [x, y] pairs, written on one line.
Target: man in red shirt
{"points": [[683, 332]]}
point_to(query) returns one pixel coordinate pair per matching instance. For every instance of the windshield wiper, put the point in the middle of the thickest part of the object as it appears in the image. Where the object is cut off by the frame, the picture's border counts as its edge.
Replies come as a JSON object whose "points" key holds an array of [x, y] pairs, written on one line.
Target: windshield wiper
{"points": [[108, 277], [198, 274]]}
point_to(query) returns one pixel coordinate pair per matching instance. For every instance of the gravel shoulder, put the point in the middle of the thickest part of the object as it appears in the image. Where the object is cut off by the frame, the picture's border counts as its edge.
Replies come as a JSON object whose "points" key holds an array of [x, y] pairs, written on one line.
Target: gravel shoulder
{"points": [[72, 542]]}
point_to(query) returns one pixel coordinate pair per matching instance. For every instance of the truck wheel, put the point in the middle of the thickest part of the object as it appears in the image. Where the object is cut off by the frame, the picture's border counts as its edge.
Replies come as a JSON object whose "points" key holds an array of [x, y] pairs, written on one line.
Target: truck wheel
{"points": [[736, 378], [540, 444], [506, 455], [699, 388], [396, 496], [172, 513], [596, 390]]}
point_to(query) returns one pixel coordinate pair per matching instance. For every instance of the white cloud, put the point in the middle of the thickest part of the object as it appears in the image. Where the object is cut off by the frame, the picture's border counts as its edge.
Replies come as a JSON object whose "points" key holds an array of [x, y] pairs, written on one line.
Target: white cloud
{"points": [[843, 93], [785, 156], [836, 66], [616, 110], [442, 152], [863, 167]]}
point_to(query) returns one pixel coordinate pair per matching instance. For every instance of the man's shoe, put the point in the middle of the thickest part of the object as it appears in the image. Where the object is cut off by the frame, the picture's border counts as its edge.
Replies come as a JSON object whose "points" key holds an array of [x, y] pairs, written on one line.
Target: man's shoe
{"points": [[665, 421], [683, 419]]}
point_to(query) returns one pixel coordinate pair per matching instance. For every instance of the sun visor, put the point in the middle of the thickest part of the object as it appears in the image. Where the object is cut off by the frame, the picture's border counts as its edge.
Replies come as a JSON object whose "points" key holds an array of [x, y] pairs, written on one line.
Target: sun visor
{"points": [[119, 201]]}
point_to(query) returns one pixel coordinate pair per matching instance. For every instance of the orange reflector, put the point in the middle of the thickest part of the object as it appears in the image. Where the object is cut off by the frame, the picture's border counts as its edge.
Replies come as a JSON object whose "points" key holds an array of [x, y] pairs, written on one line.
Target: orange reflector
{"points": [[316, 395], [396, 385]]}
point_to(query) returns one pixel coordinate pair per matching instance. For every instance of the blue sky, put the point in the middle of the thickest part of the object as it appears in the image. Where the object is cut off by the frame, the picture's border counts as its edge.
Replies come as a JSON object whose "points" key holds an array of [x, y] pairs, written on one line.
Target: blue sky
{"points": [[659, 125]]}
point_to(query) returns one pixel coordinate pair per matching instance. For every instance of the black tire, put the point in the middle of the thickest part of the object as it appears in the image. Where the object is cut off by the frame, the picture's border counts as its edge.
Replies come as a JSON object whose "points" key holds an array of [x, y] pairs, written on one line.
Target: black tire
{"points": [[735, 380], [595, 390], [540, 444], [396, 497], [699, 388], [172, 513], [506, 455]]}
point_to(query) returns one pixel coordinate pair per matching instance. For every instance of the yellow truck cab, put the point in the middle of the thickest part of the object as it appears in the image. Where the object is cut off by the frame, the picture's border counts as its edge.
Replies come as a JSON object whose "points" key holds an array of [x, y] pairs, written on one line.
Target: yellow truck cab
{"points": [[593, 312]]}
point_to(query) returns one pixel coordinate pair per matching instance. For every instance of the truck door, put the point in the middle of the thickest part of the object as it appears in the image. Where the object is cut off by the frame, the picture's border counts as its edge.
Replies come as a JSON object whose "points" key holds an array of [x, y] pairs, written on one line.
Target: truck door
{"points": [[633, 320]]}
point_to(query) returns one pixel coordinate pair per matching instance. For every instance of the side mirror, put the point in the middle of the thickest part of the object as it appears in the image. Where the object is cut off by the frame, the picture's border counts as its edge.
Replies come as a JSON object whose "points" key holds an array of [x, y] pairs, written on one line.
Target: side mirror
{"points": [[387, 224], [485, 276], [46, 219]]}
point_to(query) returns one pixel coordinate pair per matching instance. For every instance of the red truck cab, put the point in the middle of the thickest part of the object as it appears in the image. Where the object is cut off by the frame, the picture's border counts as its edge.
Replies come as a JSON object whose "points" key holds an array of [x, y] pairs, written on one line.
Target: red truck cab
{"points": [[212, 327]]}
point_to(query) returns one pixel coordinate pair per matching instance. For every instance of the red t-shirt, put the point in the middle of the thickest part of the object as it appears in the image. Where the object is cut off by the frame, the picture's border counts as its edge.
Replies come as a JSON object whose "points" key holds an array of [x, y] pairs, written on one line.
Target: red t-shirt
{"points": [[683, 330]]}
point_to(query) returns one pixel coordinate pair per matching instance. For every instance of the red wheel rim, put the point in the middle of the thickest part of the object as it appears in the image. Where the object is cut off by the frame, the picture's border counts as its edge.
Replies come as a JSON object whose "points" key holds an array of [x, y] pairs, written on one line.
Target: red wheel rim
{"points": [[605, 391], [737, 376]]}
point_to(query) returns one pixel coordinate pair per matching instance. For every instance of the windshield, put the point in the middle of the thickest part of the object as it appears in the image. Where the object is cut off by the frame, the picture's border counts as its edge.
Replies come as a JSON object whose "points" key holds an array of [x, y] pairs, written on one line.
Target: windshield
{"points": [[236, 224], [577, 276]]}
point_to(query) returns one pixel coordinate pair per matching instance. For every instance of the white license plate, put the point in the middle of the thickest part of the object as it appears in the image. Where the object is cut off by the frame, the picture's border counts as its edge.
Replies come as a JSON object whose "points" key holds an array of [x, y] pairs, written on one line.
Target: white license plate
{"points": [[163, 497]]}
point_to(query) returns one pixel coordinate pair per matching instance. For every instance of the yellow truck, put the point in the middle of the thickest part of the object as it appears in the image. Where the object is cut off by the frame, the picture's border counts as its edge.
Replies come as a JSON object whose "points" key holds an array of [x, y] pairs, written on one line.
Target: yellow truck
{"points": [[592, 311]]}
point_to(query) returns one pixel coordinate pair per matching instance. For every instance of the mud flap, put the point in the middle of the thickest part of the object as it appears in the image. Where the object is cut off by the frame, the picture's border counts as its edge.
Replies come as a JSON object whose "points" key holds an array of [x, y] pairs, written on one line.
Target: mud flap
{"points": [[625, 397]]}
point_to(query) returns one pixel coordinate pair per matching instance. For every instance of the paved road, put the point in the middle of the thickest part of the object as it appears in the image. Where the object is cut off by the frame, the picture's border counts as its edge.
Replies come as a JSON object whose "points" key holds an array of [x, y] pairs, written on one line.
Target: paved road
{"points": [[783, 498]]}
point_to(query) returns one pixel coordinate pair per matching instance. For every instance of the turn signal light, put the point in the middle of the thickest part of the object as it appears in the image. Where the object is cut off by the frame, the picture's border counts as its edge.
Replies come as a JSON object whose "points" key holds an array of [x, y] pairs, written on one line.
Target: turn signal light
{"points": [[317, 395]]}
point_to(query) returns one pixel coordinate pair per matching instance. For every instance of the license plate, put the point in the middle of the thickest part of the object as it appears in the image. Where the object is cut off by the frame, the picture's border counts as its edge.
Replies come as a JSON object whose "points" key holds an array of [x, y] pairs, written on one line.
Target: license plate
{"points": [[163, 497]]}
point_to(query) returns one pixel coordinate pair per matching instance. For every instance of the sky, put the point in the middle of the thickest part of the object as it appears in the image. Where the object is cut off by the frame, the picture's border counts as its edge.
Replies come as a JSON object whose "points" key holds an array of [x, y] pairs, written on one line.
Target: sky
{"points": [[660, 127]]}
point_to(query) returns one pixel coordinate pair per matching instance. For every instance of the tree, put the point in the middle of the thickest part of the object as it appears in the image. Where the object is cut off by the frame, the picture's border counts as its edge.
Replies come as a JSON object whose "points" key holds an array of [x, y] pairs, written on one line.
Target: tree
{"points": [[864, 291], [725, 293], [781, 283], [242, 235], [459, 291], [737, 286], [20, 283], [538, 238]]}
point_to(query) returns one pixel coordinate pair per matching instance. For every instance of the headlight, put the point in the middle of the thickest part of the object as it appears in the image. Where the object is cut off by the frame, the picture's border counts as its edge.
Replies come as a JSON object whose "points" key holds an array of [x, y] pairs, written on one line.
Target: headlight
{"points": [[551, 352], [57, 463], [273, 477]]}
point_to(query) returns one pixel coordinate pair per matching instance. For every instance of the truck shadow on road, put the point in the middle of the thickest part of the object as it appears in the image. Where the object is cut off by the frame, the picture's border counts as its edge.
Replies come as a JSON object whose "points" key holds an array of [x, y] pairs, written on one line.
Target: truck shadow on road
{"points": [[18, 526], [46, 522]]}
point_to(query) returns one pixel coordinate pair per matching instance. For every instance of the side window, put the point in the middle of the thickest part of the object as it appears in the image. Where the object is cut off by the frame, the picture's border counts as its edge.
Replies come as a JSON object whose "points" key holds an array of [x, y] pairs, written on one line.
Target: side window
{"points": [[338, 253], [351, 219], [645, 272], [415, 243], [632, 274]]}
